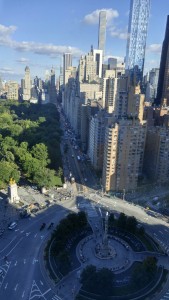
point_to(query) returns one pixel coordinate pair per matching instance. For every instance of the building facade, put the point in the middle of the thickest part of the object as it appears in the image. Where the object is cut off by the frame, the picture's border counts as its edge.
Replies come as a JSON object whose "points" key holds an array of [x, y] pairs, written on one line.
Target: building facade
{"points": [[12, 90], [137, 34], [123, 154], [102, 31], [163, 83], [67, 62], [26, 85]]}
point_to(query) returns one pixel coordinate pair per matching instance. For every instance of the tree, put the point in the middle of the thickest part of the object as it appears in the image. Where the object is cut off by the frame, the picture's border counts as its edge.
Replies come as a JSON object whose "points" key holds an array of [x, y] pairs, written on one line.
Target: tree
{"points": [[44, 177], [131, 224], [122, 221], [141, 230], [111, 220], [87, 274], [104, 282], [145, 271], [8, 170], [40, 152], [150, 265]]}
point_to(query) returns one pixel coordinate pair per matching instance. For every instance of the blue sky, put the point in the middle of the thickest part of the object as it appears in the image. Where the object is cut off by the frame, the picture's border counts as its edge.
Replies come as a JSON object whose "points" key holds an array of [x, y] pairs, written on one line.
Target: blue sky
{"points": [[37, 32]]}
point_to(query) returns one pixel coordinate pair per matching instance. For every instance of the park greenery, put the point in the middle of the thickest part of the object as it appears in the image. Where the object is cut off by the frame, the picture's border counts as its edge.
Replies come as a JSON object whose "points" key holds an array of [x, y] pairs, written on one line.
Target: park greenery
{"points": [[63, 236], [128, 223], [100, 283], [30, 144]]}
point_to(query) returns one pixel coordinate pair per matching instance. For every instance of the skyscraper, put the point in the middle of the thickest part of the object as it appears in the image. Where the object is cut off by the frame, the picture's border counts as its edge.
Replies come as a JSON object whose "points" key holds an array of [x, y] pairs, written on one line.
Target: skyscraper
{"points": [[163, 82], [67, 62], [137, 34], [26, 83], [102, 31]]}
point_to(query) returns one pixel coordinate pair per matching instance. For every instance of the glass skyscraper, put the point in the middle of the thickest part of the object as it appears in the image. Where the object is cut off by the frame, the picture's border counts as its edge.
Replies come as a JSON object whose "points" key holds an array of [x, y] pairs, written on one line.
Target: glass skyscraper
{"points": [[137, 34]]}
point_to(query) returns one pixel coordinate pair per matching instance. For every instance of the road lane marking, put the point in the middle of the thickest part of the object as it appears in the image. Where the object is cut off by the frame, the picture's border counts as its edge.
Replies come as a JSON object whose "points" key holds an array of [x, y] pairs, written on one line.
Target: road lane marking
{"points": [[15, 263], [23, 294], [160, 232], [15, 246], [35, 235], [6, 285], [8, 245], [16, 287], [46, 292], [34, 261], [24, 261], [41, 282]]}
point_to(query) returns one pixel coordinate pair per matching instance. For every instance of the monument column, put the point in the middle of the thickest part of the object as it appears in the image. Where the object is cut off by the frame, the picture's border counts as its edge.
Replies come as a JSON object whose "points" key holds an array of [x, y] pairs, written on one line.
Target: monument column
{"points": [[13, 191]]}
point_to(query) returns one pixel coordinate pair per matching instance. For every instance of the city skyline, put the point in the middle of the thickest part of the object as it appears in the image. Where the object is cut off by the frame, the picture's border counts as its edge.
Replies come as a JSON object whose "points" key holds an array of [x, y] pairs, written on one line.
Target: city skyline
{"points": [[40, 39]]}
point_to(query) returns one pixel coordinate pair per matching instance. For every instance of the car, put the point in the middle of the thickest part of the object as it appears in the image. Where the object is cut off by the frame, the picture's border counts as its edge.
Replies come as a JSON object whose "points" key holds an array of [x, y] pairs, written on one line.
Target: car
{"points": [[85, 179], [12, 225], [34, 210], [36, 204], [34, 187]]}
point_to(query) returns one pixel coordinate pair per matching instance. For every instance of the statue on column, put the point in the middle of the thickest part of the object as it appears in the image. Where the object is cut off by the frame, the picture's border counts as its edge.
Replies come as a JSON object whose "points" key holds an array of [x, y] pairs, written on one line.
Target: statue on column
{"points": [[13, 191]]}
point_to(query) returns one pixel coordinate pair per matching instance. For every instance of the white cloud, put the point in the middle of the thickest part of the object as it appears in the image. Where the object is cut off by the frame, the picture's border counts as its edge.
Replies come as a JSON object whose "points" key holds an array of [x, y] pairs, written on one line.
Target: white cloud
{"points": [[154, 48], [93, 18], [22, 60], [6, 70], [118, 33], [37, 48], [6, 31]]}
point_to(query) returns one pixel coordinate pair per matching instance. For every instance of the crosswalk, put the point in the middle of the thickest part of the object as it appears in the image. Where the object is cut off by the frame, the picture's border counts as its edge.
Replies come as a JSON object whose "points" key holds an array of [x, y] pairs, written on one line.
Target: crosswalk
{"points": [[3, 271], [89, 208], [56, 298], [37, 293]]}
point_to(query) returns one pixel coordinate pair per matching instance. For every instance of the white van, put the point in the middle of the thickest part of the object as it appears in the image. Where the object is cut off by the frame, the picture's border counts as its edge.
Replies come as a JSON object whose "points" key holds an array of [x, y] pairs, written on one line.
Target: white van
{"points": [[12, 225]]}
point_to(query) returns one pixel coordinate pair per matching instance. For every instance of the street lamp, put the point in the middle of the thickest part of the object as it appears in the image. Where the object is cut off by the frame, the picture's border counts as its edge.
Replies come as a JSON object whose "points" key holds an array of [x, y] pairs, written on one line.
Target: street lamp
{"points": [[124, 193]]}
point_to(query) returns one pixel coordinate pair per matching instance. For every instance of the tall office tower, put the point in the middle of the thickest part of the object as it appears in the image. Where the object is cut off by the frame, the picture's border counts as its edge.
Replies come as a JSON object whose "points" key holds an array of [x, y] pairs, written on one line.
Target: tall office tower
{"points": [[110, 93], [151, 85], [89, 67], [61, 79], [123, 154], [27, 85], [98, 57], [163, 82], [102, 31], [112, 63], [96, 139], [52, 87], [137, 34], [67, 62]]}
